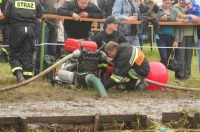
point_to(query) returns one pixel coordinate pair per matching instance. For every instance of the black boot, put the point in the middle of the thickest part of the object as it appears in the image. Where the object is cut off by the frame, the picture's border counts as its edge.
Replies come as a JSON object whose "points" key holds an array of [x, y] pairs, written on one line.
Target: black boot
{"points": [[19, 76]]}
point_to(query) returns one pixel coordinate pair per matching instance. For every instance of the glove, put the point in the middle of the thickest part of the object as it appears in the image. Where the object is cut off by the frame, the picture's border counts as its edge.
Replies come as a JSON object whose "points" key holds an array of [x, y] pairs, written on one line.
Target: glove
{"points": [[103, 55]]}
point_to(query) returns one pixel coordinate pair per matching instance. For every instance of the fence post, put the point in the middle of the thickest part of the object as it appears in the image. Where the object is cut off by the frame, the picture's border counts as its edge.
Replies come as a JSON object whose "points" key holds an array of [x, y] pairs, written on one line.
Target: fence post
{"points": [[23, 124], [42, 45]]}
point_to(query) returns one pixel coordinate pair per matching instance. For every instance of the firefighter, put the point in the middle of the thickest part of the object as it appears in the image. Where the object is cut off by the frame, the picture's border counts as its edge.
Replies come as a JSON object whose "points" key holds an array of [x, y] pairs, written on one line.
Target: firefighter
{"points": [[22, 17], [130, 66]]}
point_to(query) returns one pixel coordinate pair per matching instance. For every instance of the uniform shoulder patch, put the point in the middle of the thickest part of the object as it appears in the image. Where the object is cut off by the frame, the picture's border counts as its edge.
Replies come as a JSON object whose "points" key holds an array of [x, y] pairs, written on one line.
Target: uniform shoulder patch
{"points": [[25, 5]]}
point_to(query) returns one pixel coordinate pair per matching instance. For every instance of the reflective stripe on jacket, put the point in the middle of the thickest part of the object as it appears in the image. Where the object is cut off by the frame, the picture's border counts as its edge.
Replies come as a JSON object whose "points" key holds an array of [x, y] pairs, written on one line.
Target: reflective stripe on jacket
{"points": [[127, 56]]}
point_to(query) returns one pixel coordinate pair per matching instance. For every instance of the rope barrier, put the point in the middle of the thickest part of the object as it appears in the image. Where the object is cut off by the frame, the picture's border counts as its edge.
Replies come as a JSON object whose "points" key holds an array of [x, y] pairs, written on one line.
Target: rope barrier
{"points": [[155, 47]]}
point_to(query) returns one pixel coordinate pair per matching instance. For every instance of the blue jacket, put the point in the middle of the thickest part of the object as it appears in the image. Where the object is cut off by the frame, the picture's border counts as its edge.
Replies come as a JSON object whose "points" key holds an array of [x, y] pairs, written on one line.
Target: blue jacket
{"points": [[122, 11], [195, 10]]}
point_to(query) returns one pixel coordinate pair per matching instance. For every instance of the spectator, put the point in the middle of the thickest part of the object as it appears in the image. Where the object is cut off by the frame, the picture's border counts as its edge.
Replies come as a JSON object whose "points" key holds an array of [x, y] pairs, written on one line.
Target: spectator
{"points": [[175, 2], [79, 9], [192, 8], [22, 21], [198, 45], [149, 10], [167, 14], [60, 38], [110, 33], [186, 38], [94, 2], [51, 33], [106, 6], [139, 26], [124, 10], [129, 67]]}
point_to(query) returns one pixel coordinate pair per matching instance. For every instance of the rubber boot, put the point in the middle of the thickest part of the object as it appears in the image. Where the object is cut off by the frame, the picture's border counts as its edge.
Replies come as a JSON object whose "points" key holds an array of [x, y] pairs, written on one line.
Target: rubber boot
{"points": [[19, 76], [141, 86]]}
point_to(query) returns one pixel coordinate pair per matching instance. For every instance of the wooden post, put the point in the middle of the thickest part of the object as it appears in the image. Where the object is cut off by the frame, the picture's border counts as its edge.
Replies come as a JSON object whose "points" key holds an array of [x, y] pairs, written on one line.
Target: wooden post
{"points": [[23, 124], [96, 122]]}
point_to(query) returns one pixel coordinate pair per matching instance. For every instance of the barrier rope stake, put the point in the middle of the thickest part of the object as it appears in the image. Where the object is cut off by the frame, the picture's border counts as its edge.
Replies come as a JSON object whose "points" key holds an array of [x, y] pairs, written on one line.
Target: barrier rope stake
{"points": [[42, 45]]}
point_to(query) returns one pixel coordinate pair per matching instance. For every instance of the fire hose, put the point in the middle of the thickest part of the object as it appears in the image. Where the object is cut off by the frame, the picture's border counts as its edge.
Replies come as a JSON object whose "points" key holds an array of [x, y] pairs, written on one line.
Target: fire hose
{"points": [[76, 54], [172, 86], [90, 79]]}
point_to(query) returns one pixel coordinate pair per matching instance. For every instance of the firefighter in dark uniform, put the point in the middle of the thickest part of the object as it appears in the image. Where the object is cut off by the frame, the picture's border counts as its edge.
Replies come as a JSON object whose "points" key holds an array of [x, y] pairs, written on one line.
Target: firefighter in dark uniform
{"points": [[130, 66], [22, 16]]}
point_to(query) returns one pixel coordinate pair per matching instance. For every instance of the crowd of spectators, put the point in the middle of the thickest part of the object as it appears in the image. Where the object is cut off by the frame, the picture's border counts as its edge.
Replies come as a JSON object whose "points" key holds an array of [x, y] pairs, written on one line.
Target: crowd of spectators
{"points": [[131, 10]]}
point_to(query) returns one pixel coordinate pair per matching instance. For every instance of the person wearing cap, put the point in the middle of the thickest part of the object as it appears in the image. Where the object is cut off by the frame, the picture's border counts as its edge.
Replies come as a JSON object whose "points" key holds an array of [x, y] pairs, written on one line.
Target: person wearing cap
{"points": [[186, 37], [110, 33], [130, 66]]}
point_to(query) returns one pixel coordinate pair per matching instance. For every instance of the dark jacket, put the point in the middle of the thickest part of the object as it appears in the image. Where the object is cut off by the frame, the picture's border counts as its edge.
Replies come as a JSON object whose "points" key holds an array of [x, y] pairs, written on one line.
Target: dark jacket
{"points": [[23, 12], [2, 6], [77, 29], [128, 61], [106, 6], [148, 10], [122, 61], [49, 9], [117, 37]]}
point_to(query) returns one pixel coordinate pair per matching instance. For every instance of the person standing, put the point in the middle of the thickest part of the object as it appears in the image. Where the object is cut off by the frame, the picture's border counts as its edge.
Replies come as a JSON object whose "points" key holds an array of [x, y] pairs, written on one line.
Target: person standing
{"points": [[51, 32], [166, 14], [149, 10], [187, 37], [106, 6], [22, 17], [139, 26], [198, 46], [79, 9], [127, 10]]}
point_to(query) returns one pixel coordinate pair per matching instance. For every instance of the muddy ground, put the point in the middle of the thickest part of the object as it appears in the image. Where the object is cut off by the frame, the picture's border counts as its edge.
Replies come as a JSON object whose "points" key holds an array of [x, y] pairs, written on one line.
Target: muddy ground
{"points": [[41, 99]]}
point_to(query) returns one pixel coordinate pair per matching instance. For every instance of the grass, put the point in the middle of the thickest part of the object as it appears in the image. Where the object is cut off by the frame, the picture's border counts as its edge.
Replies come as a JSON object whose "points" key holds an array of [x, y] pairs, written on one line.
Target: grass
{"points": [[6, 77], [194, 79]]}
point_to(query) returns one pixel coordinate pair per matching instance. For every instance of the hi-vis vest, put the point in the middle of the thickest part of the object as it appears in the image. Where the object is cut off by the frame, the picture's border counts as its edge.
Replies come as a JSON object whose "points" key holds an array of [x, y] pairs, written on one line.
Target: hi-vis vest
{"points": [[136, 57]]}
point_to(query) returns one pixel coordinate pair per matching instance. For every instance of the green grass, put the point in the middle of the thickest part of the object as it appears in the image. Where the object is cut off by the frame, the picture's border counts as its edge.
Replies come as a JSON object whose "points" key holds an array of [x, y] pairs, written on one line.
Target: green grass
{"points": [[6, 77], [194, 79]]}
